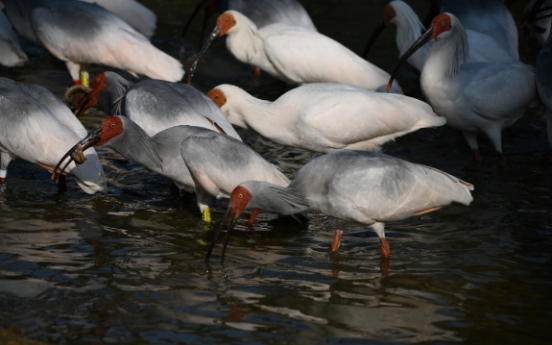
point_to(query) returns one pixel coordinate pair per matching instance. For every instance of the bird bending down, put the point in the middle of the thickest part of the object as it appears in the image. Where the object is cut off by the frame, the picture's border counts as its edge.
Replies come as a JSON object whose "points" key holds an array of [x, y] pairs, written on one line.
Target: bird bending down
{"points": [[295, 55], [196, 159], [11, 53], [133, 13], [482, 46], [325, 117], [154, 105], [366, 187], [474, 97], [260, 12], [39, 128], [80, 33]]}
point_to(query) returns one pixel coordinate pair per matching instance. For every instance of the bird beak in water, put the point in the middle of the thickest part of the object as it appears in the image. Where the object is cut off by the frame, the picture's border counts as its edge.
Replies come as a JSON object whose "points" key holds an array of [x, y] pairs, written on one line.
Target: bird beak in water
{"points": [[78, 97], [202, 52], [379, 29], [415, 46], [230, 218], [76, 153]]}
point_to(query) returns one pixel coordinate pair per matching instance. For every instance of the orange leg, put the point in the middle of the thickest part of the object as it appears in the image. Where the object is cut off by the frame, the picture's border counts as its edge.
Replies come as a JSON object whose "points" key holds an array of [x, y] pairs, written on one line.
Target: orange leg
{"points": [[337, 241], [251, 221], [385, 249], [257, 71]]}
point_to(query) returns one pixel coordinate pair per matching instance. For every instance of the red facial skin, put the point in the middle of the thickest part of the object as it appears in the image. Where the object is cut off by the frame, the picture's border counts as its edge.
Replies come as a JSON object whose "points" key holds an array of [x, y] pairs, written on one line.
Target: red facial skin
{"points": [[388, 14], [239, 200], [111, 128], [217, 96], [225, 22], [98, 85], [440, 24]]}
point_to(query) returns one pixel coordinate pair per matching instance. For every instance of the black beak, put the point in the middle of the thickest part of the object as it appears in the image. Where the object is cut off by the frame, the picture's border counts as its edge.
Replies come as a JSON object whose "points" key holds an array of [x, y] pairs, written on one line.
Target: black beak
{"points": [[230, 218], [415, 46], [379, 29], [214, 35], [78, 107], [76, 152]]}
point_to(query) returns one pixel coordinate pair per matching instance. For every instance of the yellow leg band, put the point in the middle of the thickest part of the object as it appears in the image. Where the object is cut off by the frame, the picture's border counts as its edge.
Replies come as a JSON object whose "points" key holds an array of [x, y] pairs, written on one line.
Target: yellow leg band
{"points": [[206, 216]]}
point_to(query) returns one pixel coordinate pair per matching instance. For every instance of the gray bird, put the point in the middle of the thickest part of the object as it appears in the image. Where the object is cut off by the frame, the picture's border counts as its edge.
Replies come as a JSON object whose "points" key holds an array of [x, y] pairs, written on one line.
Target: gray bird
{"points": [[367, 187], [11, 53], [154, 105], [38, 127], [196, 159], [80, 33]]}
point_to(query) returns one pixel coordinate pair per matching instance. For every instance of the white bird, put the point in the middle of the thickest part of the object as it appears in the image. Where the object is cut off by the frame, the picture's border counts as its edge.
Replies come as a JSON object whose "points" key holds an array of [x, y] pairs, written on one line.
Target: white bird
{"points": [[539, 19], [39, 128], [261, 12], [295, 55], [80, 33], [11, 53], [474, 97], [366, 187], [195, 158], [141, 18], [325, 117], [482, 47]]}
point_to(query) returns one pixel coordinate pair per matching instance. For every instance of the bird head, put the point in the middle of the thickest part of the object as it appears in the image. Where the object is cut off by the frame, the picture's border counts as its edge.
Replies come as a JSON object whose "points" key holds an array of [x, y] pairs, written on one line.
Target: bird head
{"points": [[82, 98], [217, 96], [440, 27], [111, 128], [225, 22]]}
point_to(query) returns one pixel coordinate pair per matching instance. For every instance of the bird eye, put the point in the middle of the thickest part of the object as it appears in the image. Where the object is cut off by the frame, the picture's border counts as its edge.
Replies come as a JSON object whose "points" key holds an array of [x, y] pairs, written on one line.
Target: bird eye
{"points": [[112, 125], [240, 196], [97, 80], [217, 96], [442, 23], [226, 19]]}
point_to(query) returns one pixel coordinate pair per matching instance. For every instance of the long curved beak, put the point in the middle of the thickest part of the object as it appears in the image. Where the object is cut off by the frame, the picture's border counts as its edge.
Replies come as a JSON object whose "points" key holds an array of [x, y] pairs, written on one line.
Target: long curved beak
{"points": [[78, 106], [230, 218], [214, 35], [415, 46], [379, 29], [76, 153]]}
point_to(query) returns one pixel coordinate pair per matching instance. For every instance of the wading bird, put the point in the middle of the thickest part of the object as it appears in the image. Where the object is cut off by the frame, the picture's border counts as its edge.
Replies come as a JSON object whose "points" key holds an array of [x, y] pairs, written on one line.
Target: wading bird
{"points": [[294, 55], [11, 53], [474, 97], [482, 47], [80, 33], [154, 105], [260, 12], [367, 187], [196, 159], [325, 117], [39, 128]]}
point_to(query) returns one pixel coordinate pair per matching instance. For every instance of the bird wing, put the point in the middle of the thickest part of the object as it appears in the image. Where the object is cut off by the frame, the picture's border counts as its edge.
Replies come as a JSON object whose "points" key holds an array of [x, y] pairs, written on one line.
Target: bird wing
{"points": [[485, 88], [303, 56], [98, 36], [220, 163], [10, 38], [135, 14]]}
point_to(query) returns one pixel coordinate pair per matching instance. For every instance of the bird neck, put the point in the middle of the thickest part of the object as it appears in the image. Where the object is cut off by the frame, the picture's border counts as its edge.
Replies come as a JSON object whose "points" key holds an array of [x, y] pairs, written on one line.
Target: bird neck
{"points": [[409, 27], [112, 99], [446, 55], [246, 111], [134, 144], [276, 199], [245, 43]]}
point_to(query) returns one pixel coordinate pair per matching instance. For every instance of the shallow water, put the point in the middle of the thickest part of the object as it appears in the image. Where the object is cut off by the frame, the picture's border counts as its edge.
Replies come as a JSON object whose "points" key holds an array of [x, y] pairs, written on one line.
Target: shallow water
{"points": [[128, 266]]}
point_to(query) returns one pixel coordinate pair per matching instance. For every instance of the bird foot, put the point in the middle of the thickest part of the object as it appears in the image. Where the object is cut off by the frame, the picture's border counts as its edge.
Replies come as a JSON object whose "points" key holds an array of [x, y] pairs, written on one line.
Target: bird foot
{"points": [[384, 266], [502, 161], [337, 241], [257, 71], [385, 249], [477, 155]]}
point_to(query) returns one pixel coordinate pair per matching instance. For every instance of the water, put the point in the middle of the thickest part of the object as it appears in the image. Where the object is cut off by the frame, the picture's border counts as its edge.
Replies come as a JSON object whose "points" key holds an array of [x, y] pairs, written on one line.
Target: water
{"points": [[128, 266]]}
